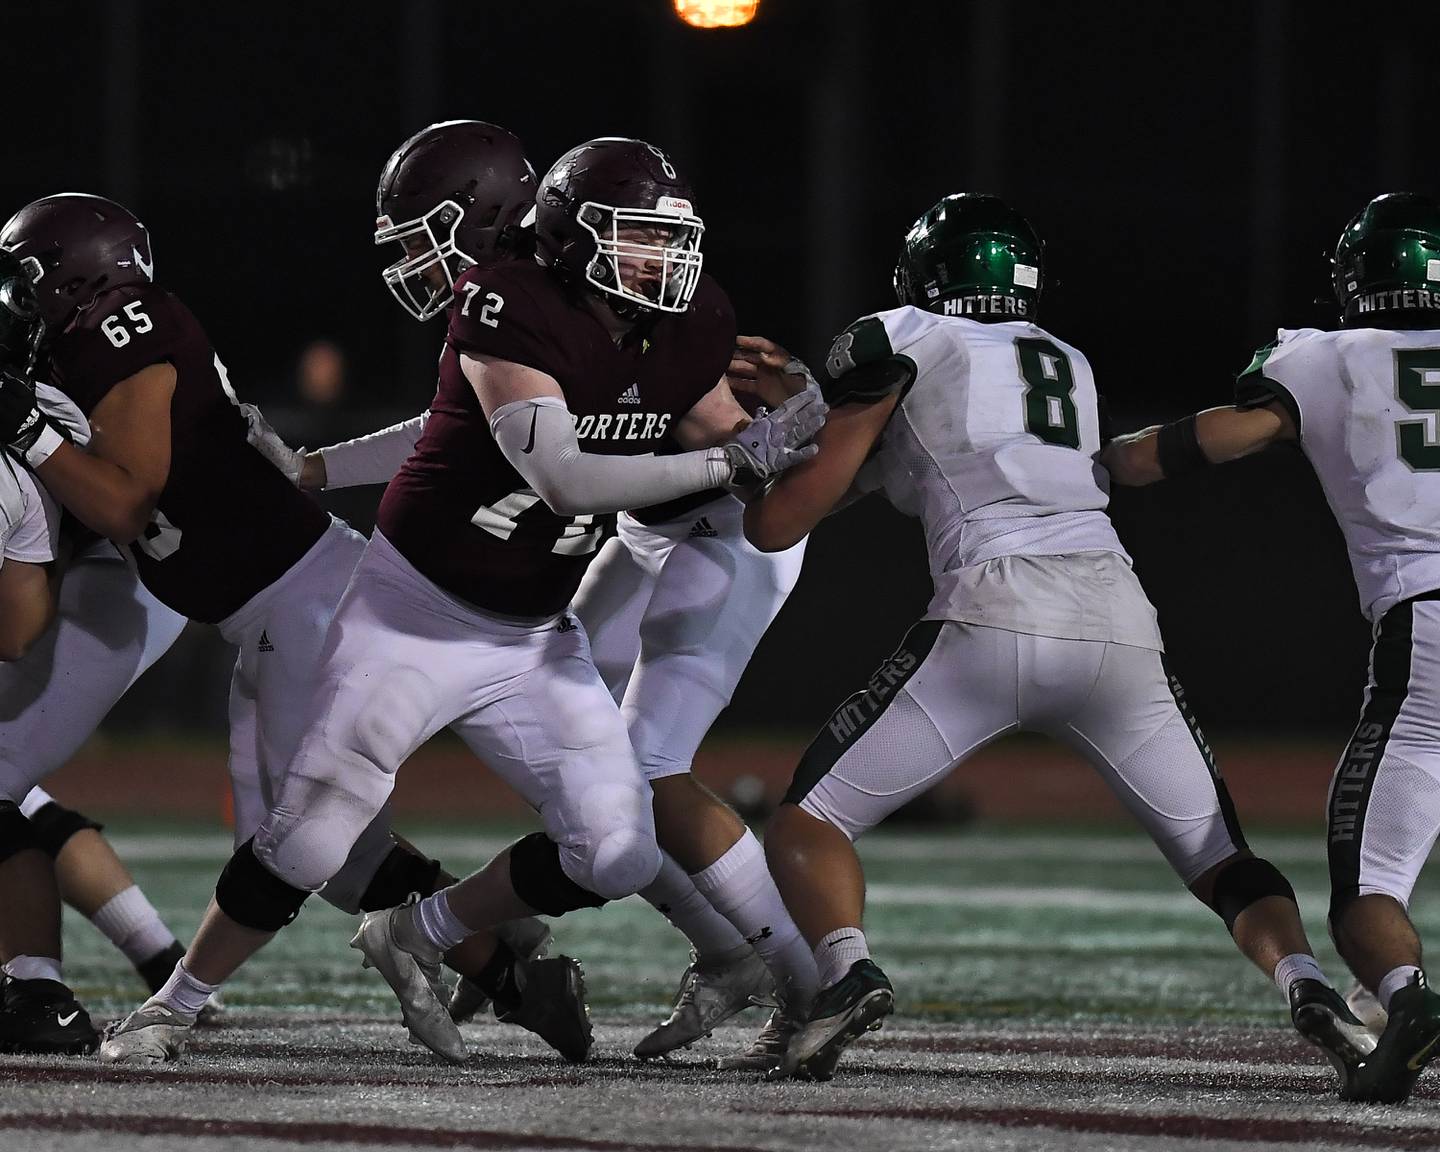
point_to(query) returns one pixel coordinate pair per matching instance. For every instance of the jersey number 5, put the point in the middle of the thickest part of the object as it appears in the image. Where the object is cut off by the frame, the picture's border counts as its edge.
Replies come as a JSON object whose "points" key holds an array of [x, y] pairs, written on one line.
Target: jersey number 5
{"points": [[1417, 383], [1049, 389]]}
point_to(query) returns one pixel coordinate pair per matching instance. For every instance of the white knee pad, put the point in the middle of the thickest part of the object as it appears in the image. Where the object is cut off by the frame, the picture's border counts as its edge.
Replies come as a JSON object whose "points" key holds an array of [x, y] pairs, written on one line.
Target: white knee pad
{"points": [[318, 819], [614, 854], [388, 721]]}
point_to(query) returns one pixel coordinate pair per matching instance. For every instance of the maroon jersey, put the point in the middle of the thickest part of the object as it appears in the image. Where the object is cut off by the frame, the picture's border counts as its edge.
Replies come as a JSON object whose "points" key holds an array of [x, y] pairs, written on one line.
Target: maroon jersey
{"points": [[227, 523], [460, 513]]}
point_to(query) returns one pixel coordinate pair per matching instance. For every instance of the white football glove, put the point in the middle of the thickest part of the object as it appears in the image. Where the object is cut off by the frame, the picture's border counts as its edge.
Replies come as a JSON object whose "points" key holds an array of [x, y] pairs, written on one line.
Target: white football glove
{"points": [[775, 441], [265, 440]]}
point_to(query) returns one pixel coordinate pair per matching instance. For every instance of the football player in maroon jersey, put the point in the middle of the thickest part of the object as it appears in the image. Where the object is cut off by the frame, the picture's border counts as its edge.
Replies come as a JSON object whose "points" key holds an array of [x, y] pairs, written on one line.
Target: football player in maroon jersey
{"points": [[674, 606], [560, 380], [172, 475]]}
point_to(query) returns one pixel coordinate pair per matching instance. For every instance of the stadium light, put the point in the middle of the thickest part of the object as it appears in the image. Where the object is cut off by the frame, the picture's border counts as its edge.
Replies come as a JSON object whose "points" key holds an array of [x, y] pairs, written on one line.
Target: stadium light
{"points": [[716, 13]]}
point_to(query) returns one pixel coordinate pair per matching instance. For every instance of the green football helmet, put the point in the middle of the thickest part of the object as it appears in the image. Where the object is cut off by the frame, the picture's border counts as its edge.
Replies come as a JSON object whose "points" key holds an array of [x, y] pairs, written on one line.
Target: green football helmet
{"points": [[972, 255], [1386, 270], [20, 325]]}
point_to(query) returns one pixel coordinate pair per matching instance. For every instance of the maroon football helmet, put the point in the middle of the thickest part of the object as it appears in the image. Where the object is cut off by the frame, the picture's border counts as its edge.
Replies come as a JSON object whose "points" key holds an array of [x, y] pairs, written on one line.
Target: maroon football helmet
{"points": [[609, 186], [455, 194], [76, 246]]}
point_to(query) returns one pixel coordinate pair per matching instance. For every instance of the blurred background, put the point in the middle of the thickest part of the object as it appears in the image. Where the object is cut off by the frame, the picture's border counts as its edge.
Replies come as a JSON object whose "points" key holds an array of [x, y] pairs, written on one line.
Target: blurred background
{"points": [[1189, 165]]}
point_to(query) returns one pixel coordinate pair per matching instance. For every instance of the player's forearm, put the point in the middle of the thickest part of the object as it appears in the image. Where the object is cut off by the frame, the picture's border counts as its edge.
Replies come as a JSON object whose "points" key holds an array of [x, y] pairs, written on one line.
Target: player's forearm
{"points": [[370, 459], [538, 439], [103, 496], [1215, 436]]}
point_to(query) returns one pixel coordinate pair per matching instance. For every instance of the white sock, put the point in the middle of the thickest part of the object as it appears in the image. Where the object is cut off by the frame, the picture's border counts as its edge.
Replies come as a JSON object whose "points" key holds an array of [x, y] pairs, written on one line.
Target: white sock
{"points": [[837, 951], [675, 897], [34, 968], [183, 994], [1393, 981], [1298, 966], [434, 921], [130, 922], [740, 888]]}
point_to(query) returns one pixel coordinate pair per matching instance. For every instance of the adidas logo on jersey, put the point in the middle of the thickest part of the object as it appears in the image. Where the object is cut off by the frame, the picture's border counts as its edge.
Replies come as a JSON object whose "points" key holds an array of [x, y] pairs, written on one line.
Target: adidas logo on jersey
{"points": [[265, 645], [631, 395], [702, 527]]}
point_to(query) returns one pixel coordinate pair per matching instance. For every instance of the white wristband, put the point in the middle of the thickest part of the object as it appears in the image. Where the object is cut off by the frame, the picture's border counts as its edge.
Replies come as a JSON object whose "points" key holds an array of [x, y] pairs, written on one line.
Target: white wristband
{"points": [[44, 446]]}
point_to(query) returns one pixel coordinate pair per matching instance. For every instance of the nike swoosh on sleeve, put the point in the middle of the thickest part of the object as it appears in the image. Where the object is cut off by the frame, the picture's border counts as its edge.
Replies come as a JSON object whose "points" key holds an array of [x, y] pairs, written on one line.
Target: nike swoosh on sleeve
{"points": [[530, 444]]}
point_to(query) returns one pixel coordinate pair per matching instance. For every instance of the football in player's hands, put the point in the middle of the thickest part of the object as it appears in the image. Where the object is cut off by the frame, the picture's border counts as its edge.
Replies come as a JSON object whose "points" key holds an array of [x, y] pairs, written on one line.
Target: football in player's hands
{"points": [[778, 440], [265, 440]]}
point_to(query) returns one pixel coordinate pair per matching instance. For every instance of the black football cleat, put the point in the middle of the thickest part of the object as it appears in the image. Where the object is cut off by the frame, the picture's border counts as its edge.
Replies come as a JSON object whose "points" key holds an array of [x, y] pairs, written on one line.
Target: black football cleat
{"points": [[1323, 1018], [43, 1018], [1410, 1041], [552, 1005], [841, 1014]]}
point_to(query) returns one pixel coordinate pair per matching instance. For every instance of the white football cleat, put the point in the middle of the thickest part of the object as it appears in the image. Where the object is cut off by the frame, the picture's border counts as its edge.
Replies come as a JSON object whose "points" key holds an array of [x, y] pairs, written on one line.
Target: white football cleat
{"points": [[768, 1049], [1361, 1001], [413, 975], [152, 1034], [706, 997]]}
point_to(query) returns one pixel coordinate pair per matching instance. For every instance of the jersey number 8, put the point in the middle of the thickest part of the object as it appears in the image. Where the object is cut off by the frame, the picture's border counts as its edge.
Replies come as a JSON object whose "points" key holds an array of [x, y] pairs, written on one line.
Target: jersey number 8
{"points": [[1049, 387]]}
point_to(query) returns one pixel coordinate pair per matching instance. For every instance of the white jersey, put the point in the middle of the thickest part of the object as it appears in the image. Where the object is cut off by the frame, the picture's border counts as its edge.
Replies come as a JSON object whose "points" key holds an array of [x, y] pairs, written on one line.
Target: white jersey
{"points": [[1366, 403], [28, 520], [29, 517], [993, 447]]}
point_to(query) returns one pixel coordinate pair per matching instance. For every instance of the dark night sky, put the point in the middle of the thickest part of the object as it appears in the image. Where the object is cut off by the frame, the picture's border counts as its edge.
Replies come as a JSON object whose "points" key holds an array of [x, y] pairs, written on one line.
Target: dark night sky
{"points": [[1189, 165]]}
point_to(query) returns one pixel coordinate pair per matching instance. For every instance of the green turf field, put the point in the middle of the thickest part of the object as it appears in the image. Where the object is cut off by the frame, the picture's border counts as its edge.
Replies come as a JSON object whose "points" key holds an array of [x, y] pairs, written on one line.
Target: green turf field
{"points": [[1058, 990], [1025, 925]]}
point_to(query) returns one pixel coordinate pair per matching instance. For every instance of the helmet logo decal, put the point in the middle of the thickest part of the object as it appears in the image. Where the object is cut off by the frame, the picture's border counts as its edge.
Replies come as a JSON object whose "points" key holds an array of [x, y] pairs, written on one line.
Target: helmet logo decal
{"points": [[147, 269], [665, 165], [679, 207], [840, 359]]}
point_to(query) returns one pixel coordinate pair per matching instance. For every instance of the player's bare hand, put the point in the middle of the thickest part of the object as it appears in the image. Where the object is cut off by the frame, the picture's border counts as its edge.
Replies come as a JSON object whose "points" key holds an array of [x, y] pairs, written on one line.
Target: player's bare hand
{"points": [[778, 440], [765, 369]]}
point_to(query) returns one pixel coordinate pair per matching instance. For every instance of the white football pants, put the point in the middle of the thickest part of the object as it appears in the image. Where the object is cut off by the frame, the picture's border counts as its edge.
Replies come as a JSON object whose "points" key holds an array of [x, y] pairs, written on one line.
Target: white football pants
{"points": [[674, 612], [952, 688], [404, 659]]}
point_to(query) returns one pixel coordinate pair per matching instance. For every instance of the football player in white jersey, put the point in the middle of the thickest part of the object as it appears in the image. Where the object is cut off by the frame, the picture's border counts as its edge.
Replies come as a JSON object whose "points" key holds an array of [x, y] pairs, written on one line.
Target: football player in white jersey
{"points": [[1362, 403], [966, 414]]}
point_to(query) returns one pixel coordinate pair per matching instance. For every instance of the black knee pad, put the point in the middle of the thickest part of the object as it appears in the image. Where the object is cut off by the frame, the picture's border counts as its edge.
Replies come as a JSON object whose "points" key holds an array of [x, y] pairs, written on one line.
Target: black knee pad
{"points": [[1242, 884], [538, 879], [402, 872], [17, 834], [54, 824], [252, 895]]}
